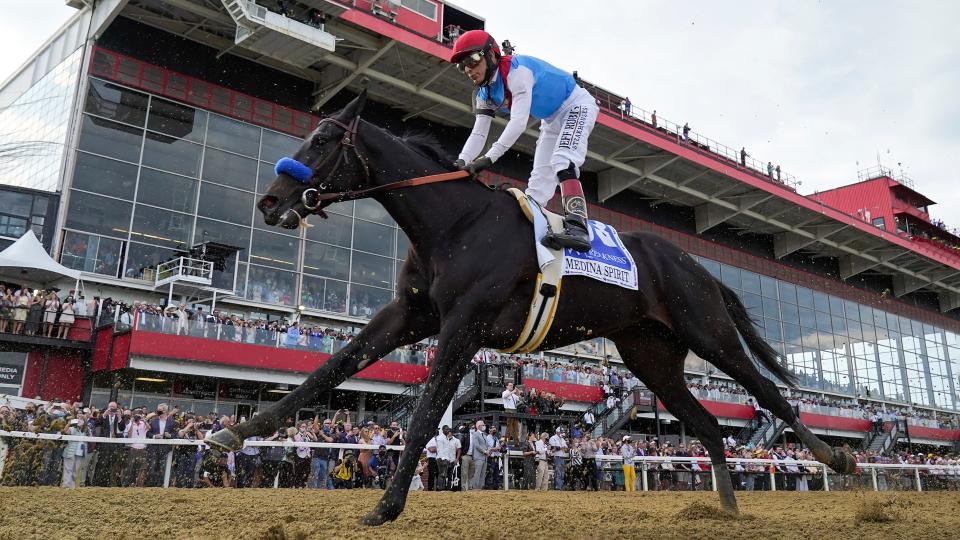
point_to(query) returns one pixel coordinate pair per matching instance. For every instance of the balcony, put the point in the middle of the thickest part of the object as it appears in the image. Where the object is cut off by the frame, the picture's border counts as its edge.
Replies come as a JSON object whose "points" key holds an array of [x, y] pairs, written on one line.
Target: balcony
{"points": [[181, 270]]}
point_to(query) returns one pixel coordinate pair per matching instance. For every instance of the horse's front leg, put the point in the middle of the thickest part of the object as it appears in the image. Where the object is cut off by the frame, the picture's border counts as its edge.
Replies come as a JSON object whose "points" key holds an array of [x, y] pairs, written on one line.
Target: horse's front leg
{"points": [[457, 345], [393, 326]]}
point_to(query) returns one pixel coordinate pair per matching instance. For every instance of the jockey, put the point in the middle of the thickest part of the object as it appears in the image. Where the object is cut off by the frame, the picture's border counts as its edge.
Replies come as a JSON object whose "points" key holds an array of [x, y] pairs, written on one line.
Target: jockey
{"points": [[524, 86]]}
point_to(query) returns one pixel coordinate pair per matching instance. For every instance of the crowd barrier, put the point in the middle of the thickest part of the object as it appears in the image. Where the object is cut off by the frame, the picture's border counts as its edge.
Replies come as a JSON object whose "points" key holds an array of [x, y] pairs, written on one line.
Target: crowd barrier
{"points": [[650, 470]]}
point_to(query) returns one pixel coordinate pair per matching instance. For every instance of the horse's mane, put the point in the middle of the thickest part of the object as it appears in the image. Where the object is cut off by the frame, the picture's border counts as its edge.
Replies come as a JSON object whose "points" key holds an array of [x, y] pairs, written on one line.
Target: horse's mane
{"points": [[427, 145]]}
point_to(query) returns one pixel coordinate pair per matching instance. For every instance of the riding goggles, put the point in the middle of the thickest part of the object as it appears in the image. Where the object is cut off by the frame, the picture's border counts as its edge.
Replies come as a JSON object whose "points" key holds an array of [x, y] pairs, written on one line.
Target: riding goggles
{"points": [[470, 60]]}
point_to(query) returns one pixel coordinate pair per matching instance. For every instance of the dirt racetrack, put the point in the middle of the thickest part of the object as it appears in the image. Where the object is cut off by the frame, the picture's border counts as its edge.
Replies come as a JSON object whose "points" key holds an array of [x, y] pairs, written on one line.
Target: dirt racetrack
{"points": [[287, 514]]}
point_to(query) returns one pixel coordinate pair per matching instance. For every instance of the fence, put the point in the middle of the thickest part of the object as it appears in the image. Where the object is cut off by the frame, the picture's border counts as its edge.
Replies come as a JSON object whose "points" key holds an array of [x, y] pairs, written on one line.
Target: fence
{"points": [[653, 473]]}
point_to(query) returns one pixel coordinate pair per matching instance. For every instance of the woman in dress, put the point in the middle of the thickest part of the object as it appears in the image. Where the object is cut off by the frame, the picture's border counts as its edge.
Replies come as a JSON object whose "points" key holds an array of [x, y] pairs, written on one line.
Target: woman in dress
{"points": [[66, 320], [20, 310], [35, 315], [364, 456], [6, 309], [50, 308]]}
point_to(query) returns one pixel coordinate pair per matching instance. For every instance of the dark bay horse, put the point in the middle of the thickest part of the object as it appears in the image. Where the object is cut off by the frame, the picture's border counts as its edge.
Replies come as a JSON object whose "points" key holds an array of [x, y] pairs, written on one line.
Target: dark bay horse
{"points": [[469, 279]]}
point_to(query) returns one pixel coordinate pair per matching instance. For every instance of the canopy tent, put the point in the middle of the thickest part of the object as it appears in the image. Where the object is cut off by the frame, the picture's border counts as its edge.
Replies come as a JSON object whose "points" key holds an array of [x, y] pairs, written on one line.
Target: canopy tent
{"points": [[26, 261]]}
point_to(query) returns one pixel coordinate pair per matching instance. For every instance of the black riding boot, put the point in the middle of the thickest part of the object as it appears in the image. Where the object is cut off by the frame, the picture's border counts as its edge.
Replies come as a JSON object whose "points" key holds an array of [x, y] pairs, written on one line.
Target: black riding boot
{"points": [[574, 235]]}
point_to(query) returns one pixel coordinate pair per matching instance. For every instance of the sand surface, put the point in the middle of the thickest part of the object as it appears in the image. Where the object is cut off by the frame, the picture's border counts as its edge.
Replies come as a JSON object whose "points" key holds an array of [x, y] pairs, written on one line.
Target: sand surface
{"points": [[288, 514]]}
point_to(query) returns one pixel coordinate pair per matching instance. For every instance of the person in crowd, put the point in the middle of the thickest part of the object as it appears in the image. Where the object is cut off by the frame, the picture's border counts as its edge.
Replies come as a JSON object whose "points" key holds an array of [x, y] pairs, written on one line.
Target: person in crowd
{"points": [[627, 452], [686, 132], [383, 467], [480, 449], [137, 458], [432, 469], [529, 462], [494, 477], [21, 309], [558, 445], [35, 315], [466, 456], [161, 426], [543, 461], [112, 425], [51, 308], [67, 318], [511, 398], [448, 454], [71, 451]]}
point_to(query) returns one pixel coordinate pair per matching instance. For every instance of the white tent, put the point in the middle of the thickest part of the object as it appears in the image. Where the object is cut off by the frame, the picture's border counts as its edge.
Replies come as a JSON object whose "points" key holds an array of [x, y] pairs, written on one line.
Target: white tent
{"points": [[26, 261]]}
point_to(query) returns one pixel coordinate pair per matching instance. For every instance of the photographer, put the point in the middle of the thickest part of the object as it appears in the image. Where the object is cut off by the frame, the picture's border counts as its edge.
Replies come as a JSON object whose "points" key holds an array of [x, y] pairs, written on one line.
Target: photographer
{"points": [[137, 459], [111, 425], [320, 463], [185, 456], [383, 467], [346, 471]]}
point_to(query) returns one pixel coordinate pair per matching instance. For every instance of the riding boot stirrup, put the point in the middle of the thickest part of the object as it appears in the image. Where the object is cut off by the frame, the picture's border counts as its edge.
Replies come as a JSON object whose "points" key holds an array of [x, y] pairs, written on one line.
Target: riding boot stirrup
{"points": [[573, 236]]}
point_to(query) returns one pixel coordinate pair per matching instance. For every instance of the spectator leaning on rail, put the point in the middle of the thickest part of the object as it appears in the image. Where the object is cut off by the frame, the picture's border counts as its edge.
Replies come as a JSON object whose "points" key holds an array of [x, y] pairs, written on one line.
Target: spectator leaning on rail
{"points": [[524, 86]]}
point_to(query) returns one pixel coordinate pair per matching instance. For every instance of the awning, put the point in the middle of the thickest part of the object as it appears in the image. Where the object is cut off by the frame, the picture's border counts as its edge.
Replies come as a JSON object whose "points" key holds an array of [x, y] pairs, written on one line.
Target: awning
{"points": [[27, 261]]}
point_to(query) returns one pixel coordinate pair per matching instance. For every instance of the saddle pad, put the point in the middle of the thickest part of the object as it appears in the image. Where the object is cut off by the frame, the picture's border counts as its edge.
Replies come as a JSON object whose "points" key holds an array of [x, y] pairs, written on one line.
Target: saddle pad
{"points": [[607, 261]]}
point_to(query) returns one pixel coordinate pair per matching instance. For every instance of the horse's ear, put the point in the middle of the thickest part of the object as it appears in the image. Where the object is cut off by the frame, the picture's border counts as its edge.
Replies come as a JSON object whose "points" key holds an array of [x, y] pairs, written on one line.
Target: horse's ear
{"points": [[355, 107]]}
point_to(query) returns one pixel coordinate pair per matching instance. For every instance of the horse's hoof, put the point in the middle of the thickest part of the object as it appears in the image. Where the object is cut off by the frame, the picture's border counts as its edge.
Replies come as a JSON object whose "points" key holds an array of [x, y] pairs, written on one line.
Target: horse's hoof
{"points": [[225, 440], [843, 462], [378, 516]]}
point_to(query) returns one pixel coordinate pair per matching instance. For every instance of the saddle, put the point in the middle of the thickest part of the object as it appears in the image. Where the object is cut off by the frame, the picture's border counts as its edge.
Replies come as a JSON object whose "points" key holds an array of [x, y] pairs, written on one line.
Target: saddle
{"points": [[546, 293]]}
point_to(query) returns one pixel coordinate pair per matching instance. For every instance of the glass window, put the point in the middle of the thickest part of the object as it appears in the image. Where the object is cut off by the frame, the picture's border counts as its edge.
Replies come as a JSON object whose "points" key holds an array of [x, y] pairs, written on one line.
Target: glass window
{"points": [[228, 134], [177, 120], [373, 238], [141, 257], [712, 266], [791, 333], [324, 260], [768, 286], [730, 275], [167, 190], [821, 302], [808, 318], [772, 327], [92, 213], [836, 306], [771, 308], [271, 286], [275, 250], [265, 177], [750, 282], [788, 292], [851, 309], [230, 169], [324, 294], [789, 313], [804, 297], [372, 270], [91, 253], [169, 154], [116, 103], [105, 176], [208, 230], [371, 210], [403, 245], [752, 303], [225, 204], [163, 227], [424, 7], [366, 301], [275, 145], [336, 230], [111, 139]]}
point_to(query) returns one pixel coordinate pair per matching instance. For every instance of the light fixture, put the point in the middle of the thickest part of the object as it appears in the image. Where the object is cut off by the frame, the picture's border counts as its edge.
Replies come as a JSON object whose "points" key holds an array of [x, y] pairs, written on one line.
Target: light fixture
{"points": [[150, 379], [279, 391]]}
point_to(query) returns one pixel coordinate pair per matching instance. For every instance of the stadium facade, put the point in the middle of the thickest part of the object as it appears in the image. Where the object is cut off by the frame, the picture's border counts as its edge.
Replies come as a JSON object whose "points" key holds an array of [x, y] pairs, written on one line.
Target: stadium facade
{"points": [[149, 127]]}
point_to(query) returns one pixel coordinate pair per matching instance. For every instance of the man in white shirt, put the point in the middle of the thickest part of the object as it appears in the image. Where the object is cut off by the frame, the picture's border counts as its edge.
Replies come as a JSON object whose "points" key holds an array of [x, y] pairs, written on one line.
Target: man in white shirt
{"points": [[511, 397], [543, 467], [448, 453], [137, 459], [588, 420], [558, 443], [433, 470]]}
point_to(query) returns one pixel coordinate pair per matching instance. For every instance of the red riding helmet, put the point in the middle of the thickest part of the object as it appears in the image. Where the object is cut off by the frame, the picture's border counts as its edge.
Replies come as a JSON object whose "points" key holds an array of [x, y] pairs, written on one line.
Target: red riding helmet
{"points": [[474, 41]]}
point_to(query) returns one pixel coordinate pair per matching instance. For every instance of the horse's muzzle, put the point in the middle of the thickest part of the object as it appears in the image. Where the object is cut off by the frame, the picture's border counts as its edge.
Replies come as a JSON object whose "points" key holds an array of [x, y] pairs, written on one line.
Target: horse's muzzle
{"points": [[289, 220]]}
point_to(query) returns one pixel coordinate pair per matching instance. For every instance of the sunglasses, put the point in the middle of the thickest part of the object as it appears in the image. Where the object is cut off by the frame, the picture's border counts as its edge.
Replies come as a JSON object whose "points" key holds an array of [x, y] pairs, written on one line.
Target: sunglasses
{"points": [[470, 61]]}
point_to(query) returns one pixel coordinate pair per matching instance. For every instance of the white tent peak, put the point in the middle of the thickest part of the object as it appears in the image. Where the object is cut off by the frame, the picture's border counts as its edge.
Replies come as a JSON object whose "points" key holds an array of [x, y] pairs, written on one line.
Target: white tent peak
{"points": [[27, 260]]}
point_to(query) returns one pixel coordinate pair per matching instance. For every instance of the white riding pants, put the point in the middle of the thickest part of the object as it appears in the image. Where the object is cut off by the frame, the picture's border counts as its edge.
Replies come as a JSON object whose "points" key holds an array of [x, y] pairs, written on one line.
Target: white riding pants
{"points": [[563, 140]]}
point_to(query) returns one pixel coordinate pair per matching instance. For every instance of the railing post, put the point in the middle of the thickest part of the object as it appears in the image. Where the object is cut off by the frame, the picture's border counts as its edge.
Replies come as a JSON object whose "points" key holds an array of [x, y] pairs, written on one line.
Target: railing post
{"points": [[773, 478], [873, 478], [506, 471], [166, 470], [826, 479], [713, 476], [916, 474], [644, 481]]}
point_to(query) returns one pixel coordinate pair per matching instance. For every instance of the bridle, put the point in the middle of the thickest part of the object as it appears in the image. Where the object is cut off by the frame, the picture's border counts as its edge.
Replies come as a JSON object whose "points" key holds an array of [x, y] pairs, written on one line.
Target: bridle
{"points": [[314, 199]]}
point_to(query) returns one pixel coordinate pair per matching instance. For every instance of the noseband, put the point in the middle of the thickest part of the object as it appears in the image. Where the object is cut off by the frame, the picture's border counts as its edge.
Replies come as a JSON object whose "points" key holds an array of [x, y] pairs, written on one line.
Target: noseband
{"points": [[313, 198]]}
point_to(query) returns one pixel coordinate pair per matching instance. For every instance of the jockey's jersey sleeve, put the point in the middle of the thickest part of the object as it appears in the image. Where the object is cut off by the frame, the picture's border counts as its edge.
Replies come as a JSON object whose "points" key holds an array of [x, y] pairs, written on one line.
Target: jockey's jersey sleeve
{"points": [[537, 89]]}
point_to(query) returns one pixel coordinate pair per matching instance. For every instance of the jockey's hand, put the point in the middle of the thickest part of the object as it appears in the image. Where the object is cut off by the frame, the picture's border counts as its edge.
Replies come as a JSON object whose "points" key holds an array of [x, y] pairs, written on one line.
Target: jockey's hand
{"points": [[460, 164], [479, 164]]}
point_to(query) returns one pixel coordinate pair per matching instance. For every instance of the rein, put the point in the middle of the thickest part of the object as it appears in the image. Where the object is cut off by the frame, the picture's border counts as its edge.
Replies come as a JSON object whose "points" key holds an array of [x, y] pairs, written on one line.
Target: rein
{"points": [[312, 198]]}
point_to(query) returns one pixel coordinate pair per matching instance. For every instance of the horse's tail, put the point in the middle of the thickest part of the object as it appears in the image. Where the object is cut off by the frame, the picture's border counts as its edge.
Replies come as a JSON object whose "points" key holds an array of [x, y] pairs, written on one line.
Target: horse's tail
{"points": [[760, 348]]}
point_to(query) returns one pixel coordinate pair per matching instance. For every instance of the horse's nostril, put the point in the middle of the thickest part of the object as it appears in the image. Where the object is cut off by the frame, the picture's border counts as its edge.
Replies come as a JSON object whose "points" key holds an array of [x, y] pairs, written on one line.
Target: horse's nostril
{"points": [[268, 202]]}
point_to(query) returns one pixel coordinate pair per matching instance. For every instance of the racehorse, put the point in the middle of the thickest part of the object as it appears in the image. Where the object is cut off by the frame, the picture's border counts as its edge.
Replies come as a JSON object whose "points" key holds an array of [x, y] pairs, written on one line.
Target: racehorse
{"points": [[469, 279]]}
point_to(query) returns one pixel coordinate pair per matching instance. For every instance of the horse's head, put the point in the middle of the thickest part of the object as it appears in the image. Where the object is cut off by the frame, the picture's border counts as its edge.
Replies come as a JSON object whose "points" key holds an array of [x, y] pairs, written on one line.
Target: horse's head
{"points": [[328, 161]]}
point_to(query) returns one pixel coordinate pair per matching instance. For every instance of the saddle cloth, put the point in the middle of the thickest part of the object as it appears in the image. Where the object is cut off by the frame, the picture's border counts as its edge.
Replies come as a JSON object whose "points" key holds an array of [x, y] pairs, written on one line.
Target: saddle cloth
{"points": [[608, 261]]}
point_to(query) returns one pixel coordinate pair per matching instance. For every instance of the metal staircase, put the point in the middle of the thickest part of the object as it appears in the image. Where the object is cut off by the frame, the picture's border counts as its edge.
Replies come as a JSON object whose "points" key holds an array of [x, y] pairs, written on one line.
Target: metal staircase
{"points": [[885, 440], [468, 390], [768, 433], [278, 36], [402, 407], [611, 419]]}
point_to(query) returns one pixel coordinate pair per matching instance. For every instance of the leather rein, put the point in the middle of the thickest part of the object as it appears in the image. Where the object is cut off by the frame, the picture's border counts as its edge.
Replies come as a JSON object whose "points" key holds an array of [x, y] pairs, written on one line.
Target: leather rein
{"points": [[313, 200]]}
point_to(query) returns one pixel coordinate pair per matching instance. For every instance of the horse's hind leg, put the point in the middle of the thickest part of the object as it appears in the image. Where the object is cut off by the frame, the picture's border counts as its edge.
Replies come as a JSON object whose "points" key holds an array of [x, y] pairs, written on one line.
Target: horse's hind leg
{"points": [[728, 355], [393, 326], [656, 356]]}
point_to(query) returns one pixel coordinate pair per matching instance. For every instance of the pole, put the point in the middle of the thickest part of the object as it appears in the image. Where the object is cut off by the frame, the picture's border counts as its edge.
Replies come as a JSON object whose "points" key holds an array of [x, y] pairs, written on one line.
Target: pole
{"points": [[916, 474], [166, 470], [644, 481], [656, 419], [826, 479], [713, 476], [506, 470], [873, 478]]}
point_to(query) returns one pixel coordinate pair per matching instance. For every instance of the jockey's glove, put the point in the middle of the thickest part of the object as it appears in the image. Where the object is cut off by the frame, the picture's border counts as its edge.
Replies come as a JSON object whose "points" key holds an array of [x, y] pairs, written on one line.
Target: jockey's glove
{"points": [[460, 164], [479, 164]]}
